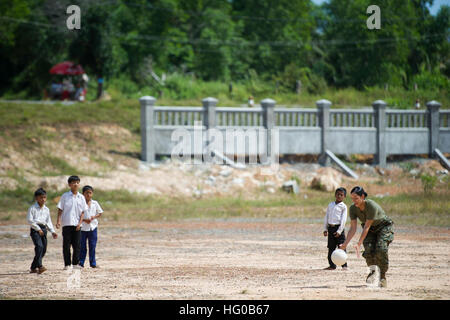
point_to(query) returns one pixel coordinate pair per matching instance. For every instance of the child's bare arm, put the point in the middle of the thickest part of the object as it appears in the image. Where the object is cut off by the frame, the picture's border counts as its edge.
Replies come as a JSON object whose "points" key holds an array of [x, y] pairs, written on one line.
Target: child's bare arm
{"points": [[81, 220], [58, 220]]}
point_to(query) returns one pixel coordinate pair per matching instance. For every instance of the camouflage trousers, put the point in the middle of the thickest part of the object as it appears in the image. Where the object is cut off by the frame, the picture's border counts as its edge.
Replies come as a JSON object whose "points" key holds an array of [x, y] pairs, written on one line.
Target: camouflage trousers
{"points": [[376, 245]]}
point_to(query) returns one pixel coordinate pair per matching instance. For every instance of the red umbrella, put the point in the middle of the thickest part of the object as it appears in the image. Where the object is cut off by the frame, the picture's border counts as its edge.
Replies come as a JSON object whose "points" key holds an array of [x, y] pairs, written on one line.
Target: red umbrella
{"points": [[67, 68]]}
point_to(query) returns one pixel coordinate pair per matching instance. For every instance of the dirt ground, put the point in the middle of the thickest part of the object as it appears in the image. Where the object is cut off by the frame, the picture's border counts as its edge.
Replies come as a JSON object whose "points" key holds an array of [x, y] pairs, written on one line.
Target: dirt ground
{"points": [[223, 259]]}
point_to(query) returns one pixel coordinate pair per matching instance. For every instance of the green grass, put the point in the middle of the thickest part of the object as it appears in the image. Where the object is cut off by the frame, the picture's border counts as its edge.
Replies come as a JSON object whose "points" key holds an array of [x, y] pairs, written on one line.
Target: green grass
{"points": [[124, 113], [121, 205]]}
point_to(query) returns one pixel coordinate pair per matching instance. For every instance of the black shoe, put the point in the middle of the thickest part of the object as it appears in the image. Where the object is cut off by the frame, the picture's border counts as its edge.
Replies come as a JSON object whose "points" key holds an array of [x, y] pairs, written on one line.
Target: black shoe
{"points": [[95, 267]]}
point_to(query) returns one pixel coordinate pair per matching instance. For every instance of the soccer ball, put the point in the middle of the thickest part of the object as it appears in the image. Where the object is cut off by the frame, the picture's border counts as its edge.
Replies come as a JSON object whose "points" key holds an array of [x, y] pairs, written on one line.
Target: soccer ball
{"points": [[339, 257]]}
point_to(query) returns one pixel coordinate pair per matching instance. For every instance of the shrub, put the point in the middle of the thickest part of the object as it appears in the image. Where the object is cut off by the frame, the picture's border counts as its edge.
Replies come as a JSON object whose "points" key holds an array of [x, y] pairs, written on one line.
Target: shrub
{"points": [[428, 182]]}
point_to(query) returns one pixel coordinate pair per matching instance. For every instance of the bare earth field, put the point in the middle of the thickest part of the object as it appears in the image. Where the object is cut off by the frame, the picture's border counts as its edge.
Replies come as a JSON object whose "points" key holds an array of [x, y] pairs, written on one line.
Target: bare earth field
{"points": [[241, 258]]}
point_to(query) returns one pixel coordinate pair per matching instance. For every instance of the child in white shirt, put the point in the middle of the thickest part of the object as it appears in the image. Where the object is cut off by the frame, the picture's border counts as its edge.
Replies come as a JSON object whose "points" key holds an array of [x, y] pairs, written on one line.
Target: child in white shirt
{"points": [[38, 216], [334, 225], [89, 227], [71, 209]]}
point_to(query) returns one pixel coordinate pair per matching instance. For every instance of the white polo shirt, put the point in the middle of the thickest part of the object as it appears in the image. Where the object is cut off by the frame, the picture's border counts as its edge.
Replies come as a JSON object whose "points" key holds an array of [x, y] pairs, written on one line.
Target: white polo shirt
{"points": [[92, 211], [37, 215], [336, 214], [72, 206]]}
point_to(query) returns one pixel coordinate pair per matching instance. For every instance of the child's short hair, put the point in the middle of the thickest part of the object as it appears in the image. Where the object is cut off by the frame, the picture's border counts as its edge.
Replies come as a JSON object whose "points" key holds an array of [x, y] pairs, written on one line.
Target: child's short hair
{"points": [[73, 179], [86, 188], [40, 192], [341, 189]]}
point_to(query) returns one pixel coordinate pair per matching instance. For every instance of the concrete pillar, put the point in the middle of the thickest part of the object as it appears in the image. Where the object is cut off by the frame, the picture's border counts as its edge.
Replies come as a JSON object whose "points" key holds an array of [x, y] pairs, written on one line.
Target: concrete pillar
{"points": [[209, 112], [379, 108], [324, 107], [147, 129], [433, 125], [268, 109]]}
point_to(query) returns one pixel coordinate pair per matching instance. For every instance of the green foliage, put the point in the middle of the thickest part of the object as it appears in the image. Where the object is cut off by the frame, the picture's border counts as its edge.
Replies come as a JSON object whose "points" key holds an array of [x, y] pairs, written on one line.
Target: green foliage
{"points": [[428, 182], [431, 80], [255, 43], [309, 80]]}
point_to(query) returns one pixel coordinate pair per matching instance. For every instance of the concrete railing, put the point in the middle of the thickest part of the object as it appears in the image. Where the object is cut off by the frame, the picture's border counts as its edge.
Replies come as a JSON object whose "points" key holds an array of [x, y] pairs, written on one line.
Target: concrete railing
{"points": [[376, 130]]}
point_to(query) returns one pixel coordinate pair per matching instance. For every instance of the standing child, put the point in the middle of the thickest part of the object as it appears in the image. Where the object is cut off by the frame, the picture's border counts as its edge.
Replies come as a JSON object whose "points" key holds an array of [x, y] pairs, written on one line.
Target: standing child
{"points": [[334, 224], [71, 209], [38, 217], [89, 227]]}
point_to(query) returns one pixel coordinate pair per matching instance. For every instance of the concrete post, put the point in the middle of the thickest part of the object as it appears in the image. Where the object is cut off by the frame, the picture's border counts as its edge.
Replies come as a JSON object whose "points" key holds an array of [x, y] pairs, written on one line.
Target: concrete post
{"points": [[268, 109], [379, 108], [323, 107], [209, 112], [433, 125], [147, 129], [209, 121]]}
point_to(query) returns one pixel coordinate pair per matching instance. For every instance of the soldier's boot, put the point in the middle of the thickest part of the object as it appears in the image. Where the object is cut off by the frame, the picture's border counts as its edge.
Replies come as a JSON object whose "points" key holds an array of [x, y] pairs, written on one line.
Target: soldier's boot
{"points": [[383, 281], [369, 278]]}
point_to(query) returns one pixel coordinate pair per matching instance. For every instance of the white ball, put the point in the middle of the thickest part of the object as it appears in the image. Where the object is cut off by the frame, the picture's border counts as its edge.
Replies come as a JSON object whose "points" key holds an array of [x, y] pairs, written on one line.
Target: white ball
{"points": [[339, 257]]}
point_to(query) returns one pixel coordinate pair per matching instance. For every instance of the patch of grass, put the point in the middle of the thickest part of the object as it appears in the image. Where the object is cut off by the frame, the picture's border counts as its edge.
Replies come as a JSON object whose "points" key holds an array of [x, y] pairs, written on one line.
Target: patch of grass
{"points": [[121, 205], [125, 113], [6, 217], [419, 209], [52, 166]]}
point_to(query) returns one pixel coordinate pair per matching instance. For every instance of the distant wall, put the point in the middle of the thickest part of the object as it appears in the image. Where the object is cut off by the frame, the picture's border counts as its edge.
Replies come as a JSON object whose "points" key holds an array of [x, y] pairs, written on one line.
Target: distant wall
{"points": [[369, 130]]}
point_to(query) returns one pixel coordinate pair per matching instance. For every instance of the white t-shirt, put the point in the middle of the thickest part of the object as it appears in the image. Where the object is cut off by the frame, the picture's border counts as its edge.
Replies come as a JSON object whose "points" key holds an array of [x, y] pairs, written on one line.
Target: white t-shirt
{"points": [[72, 206], [336, 214], [92, 210]]}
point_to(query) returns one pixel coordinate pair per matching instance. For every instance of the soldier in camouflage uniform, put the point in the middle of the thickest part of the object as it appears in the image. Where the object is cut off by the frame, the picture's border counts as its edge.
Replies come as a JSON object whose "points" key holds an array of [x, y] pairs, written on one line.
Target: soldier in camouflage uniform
{"points": [[377, 232]]}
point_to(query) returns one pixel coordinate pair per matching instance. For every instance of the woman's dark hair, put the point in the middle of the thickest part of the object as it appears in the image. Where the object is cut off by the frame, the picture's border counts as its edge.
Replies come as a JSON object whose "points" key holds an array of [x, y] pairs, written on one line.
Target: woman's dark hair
{"points": [[341, 189], [40, 192], [359, 191], [72, 179], [86, 188]]}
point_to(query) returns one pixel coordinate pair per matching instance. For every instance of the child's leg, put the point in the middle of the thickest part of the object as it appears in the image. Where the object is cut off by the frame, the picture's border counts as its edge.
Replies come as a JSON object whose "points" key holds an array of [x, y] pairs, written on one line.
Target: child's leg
{"points": [[83, 247], [331, 245], [341, 240], [76, 243], [92, 245], [67, 240], [38, 248], [330, 262], [44, 241]]}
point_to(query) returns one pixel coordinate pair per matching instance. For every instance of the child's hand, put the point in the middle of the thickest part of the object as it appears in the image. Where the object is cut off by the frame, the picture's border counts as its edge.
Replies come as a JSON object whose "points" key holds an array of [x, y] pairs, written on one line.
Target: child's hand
{"points": [[54, 235], [58, 224], [336, 234], [325, 233], [78, 227], [41, 233]]}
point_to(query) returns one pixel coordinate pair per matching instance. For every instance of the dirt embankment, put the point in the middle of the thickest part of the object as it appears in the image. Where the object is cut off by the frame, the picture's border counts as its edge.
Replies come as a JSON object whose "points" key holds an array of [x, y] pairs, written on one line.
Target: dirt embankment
{"points": [[107, 157]]}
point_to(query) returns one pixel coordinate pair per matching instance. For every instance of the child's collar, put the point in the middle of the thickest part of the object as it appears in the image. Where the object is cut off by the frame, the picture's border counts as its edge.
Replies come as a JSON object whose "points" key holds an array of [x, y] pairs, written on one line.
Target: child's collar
{"points": [[37, 205]]}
